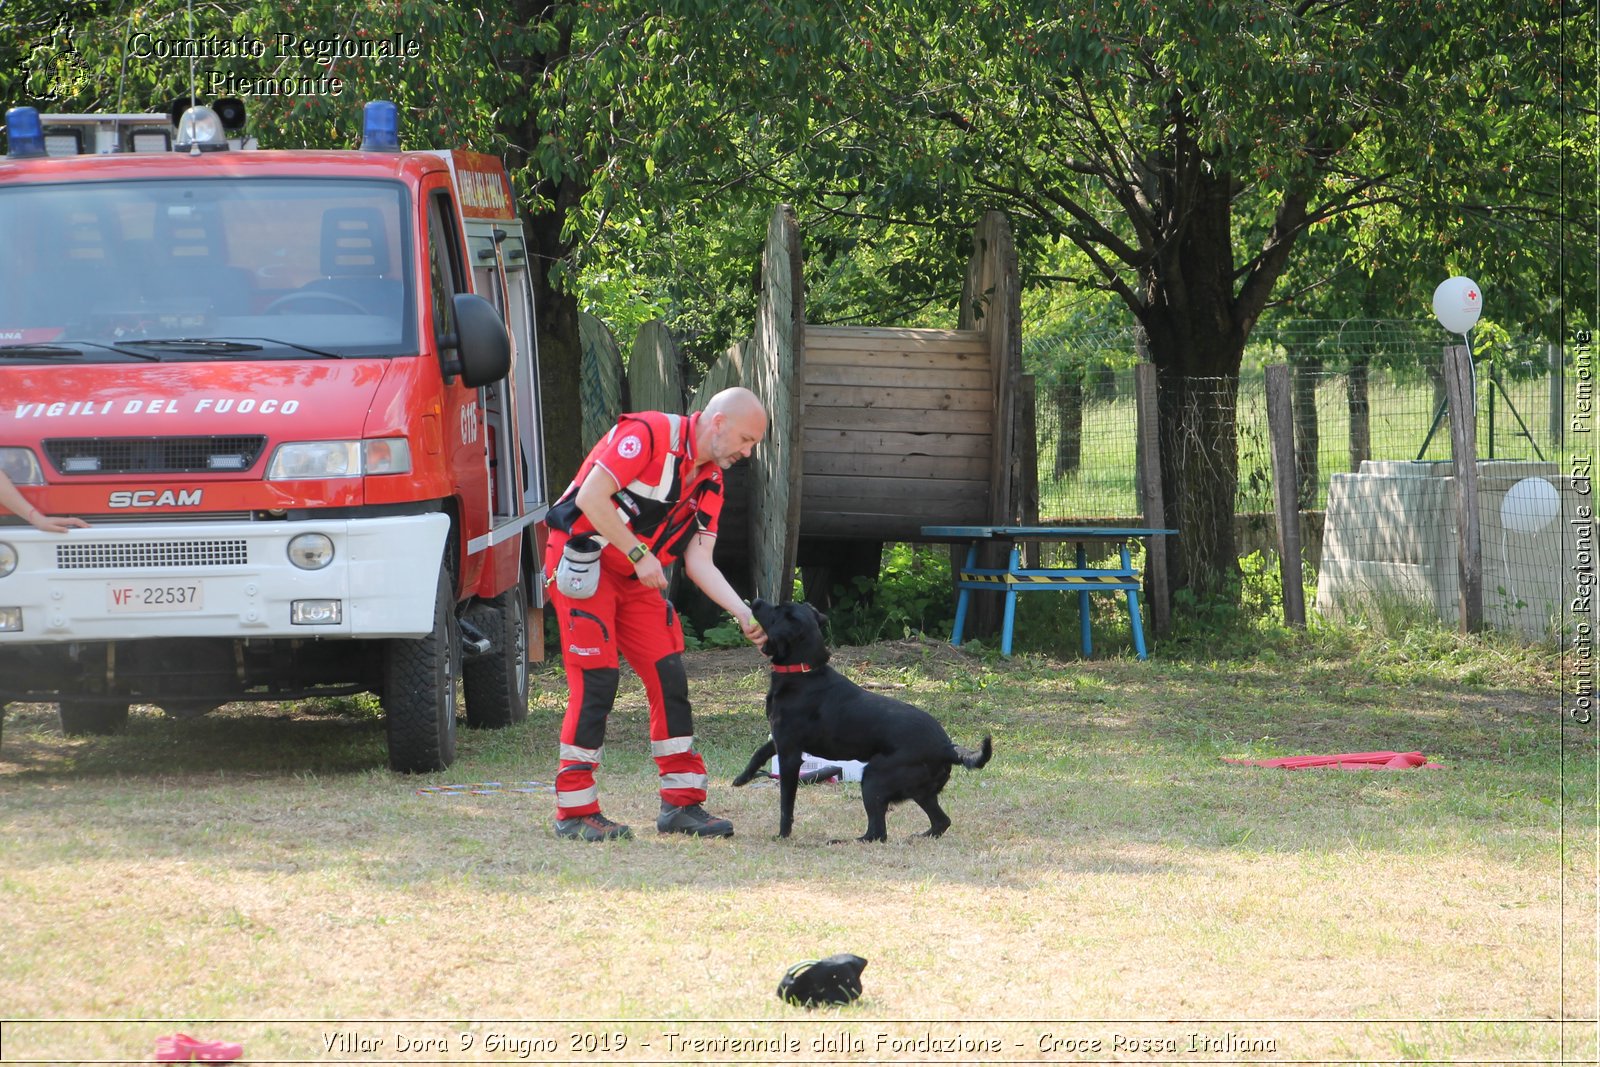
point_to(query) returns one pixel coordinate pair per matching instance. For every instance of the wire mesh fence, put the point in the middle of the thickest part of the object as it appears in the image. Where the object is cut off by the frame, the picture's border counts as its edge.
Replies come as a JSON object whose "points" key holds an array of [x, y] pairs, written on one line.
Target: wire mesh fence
{"points": [[1374, 479]]}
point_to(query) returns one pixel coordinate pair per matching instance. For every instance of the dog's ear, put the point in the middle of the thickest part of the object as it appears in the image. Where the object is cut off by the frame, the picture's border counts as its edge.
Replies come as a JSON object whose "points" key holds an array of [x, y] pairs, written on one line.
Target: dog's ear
{"points": [[822, 620]]}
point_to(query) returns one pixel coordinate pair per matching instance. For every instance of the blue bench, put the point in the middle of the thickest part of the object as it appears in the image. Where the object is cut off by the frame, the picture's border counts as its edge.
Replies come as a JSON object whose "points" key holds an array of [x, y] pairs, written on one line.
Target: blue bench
{"points": [[1015, 578]]}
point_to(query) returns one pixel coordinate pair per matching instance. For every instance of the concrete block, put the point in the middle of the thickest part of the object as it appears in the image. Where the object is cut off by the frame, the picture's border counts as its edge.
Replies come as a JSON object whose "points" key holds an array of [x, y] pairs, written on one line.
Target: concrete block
{"points": [[1391, 533]]}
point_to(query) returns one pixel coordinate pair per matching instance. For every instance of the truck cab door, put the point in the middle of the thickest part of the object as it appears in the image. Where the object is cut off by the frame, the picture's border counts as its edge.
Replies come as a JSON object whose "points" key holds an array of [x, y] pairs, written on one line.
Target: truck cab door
{"points": [[511, 406], [462, 417]]}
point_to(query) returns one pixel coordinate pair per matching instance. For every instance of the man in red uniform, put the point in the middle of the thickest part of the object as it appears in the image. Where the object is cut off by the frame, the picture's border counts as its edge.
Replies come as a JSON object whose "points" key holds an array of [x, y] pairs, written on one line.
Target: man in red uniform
{"points": [[649, 492]]}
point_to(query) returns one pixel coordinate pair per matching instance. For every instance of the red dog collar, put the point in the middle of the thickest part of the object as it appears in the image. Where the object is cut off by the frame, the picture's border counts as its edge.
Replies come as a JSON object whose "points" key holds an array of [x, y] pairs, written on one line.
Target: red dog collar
{"points": [[790, 668]]}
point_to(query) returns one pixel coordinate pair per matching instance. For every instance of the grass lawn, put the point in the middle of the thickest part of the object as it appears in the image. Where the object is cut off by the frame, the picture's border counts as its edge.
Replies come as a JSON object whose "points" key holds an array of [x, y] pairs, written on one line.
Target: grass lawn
{"points": [[1111, 889]]}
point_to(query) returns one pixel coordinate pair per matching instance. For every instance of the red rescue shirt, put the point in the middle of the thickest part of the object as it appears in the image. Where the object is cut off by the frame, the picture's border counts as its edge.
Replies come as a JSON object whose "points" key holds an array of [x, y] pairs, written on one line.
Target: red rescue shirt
{"points": [[650, 454]]}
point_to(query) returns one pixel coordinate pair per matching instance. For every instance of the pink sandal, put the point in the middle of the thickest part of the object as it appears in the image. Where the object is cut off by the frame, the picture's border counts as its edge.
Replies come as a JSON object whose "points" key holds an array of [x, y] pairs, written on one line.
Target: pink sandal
{"points": [[181, 1048]]}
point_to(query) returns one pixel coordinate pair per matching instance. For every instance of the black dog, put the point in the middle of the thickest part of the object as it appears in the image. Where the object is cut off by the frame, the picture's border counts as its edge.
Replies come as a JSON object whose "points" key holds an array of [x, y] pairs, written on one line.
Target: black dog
{"points": [[813, 708]]}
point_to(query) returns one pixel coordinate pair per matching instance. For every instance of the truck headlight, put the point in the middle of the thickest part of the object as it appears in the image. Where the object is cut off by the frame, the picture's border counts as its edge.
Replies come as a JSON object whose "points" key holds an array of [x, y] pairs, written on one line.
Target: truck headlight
{"points": [[8, 559], [314, 459], [21, 466], [311, 551], [301, 460]]}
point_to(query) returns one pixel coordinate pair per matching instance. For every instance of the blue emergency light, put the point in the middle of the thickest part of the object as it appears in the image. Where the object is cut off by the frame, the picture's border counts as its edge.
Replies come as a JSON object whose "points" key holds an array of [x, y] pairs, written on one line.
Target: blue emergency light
{"points": [[380, 127], [24, 133]]}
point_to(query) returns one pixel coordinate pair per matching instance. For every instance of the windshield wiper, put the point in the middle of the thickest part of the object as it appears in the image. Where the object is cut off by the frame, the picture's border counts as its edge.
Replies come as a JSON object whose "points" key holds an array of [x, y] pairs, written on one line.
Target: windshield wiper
{"points": [[193, 344], [39, 350], [65, 348], [298, 347], [226, 345]]}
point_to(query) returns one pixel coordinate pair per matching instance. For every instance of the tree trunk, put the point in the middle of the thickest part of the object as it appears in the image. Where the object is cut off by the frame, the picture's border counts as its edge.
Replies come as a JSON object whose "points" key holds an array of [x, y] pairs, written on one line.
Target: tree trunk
{"points": [[1307, 438], [560, 367], [560, 347], [1196, 339], [1200, 479]]}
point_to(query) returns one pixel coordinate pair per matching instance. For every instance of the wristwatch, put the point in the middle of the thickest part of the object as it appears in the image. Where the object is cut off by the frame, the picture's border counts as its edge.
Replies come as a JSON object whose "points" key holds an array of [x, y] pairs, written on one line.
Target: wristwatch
{"points": [[637, 552]]}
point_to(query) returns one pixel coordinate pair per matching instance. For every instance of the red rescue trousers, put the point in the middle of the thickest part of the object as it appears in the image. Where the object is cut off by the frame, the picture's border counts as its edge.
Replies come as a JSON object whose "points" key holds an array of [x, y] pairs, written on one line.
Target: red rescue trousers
{"points": [[623, 617]]}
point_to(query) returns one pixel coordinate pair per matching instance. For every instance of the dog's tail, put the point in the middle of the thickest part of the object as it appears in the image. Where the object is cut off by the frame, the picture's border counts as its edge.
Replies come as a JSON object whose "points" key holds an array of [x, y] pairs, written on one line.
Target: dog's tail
{"points": [[970, 759]]}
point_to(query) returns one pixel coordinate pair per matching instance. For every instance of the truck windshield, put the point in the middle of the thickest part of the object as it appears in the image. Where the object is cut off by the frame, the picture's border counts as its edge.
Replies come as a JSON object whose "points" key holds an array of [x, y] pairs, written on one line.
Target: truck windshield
{"points": [[323, 264]]}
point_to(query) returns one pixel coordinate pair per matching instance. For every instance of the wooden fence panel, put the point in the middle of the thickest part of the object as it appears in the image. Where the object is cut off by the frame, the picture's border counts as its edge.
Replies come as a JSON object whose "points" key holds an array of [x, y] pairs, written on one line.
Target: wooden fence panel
{"points": [[869, 397], [991, 302], [774, 370], [899, 431], [861, 465], [900, 420], [879, 375], [857, 441], [727, 371], [655, 372], [600, 379]]}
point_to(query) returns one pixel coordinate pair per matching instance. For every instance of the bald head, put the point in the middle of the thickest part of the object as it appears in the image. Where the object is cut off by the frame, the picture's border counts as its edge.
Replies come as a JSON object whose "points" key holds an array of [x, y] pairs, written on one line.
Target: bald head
{"points": [[738, 402], [733, 423]]}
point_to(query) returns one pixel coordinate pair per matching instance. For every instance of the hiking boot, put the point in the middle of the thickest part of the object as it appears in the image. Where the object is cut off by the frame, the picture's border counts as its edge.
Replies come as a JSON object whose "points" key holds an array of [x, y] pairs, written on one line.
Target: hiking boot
{"points": [[691, 820], [595, 827]]}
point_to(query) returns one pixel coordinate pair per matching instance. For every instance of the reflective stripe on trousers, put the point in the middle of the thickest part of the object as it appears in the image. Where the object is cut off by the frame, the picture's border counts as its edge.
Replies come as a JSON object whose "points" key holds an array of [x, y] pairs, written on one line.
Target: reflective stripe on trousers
{"points": [[623, 620]]}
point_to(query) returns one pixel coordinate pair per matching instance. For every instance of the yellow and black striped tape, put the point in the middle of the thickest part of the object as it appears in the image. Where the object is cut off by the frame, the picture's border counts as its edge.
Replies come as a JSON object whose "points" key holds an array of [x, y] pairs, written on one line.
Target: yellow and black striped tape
{"points": [[1037, 579]]}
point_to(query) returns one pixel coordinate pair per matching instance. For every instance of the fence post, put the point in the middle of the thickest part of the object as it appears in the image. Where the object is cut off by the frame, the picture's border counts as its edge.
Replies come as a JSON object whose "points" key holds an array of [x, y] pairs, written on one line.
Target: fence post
{"points": [[1464, 453], [993, 282], [1151, 504], [1286, 493], [1558, 415], [1028, 456], [1357, 402]]}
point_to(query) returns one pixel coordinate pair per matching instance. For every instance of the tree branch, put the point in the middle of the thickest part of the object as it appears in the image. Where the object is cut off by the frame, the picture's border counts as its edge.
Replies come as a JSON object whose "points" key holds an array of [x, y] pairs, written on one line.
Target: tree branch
{"points": [[1286, 227]]}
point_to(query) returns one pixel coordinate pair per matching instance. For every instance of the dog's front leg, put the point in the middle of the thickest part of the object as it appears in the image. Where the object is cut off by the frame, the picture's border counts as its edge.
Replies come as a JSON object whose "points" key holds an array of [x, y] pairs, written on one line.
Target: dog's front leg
{"points": [[788, 786], [757, 761]]}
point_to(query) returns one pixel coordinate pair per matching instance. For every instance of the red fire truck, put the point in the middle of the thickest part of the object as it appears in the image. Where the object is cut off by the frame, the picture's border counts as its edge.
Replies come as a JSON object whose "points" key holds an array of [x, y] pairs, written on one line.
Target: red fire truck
{"points": [[295, 394]]}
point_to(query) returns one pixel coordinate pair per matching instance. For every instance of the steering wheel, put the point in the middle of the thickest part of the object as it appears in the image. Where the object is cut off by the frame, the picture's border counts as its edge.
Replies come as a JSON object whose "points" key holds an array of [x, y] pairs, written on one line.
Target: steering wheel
{"points": [[344, 303]]}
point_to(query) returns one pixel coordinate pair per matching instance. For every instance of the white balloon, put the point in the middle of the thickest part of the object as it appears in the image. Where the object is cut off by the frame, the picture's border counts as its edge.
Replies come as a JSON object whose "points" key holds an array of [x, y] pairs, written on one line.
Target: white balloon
{"points": [[1529, 505], [1457, 303]]}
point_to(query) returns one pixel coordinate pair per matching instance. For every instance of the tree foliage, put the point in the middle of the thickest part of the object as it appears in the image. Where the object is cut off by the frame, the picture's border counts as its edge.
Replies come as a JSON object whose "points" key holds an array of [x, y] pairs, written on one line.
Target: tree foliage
{"points": [[1186, 150], [1205, 162], [561, 90]]}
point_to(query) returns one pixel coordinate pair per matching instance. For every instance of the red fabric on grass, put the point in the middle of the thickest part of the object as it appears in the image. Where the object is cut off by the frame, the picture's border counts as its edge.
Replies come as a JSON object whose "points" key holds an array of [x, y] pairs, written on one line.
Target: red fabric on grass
{"points": [[1352, 761]]}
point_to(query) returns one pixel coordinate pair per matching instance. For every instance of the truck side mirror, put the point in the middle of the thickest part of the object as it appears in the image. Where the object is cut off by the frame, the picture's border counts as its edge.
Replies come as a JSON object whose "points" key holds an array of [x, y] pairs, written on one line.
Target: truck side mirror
{"points": [[482, 345]]}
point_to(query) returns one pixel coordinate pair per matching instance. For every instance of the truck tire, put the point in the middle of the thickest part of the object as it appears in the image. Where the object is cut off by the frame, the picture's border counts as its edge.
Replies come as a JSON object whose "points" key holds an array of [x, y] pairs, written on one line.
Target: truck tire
{"points": [[80, 718], [419, 690], [497, 683]]}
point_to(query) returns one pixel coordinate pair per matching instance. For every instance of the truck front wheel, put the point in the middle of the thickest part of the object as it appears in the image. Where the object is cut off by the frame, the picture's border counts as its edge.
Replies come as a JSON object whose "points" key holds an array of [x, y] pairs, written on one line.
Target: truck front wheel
{"points": [[497, 683], [419, 690], [80, 718]]}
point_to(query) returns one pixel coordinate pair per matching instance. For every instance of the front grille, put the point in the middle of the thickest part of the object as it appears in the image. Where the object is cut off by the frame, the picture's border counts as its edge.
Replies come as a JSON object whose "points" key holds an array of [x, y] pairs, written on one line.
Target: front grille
{"points": [[154, 455], [118, 555]]}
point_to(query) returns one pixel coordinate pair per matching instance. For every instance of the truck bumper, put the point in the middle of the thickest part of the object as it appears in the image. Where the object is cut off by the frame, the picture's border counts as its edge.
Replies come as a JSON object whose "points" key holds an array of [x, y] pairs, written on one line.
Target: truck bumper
{"points": [[223, 579]]}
